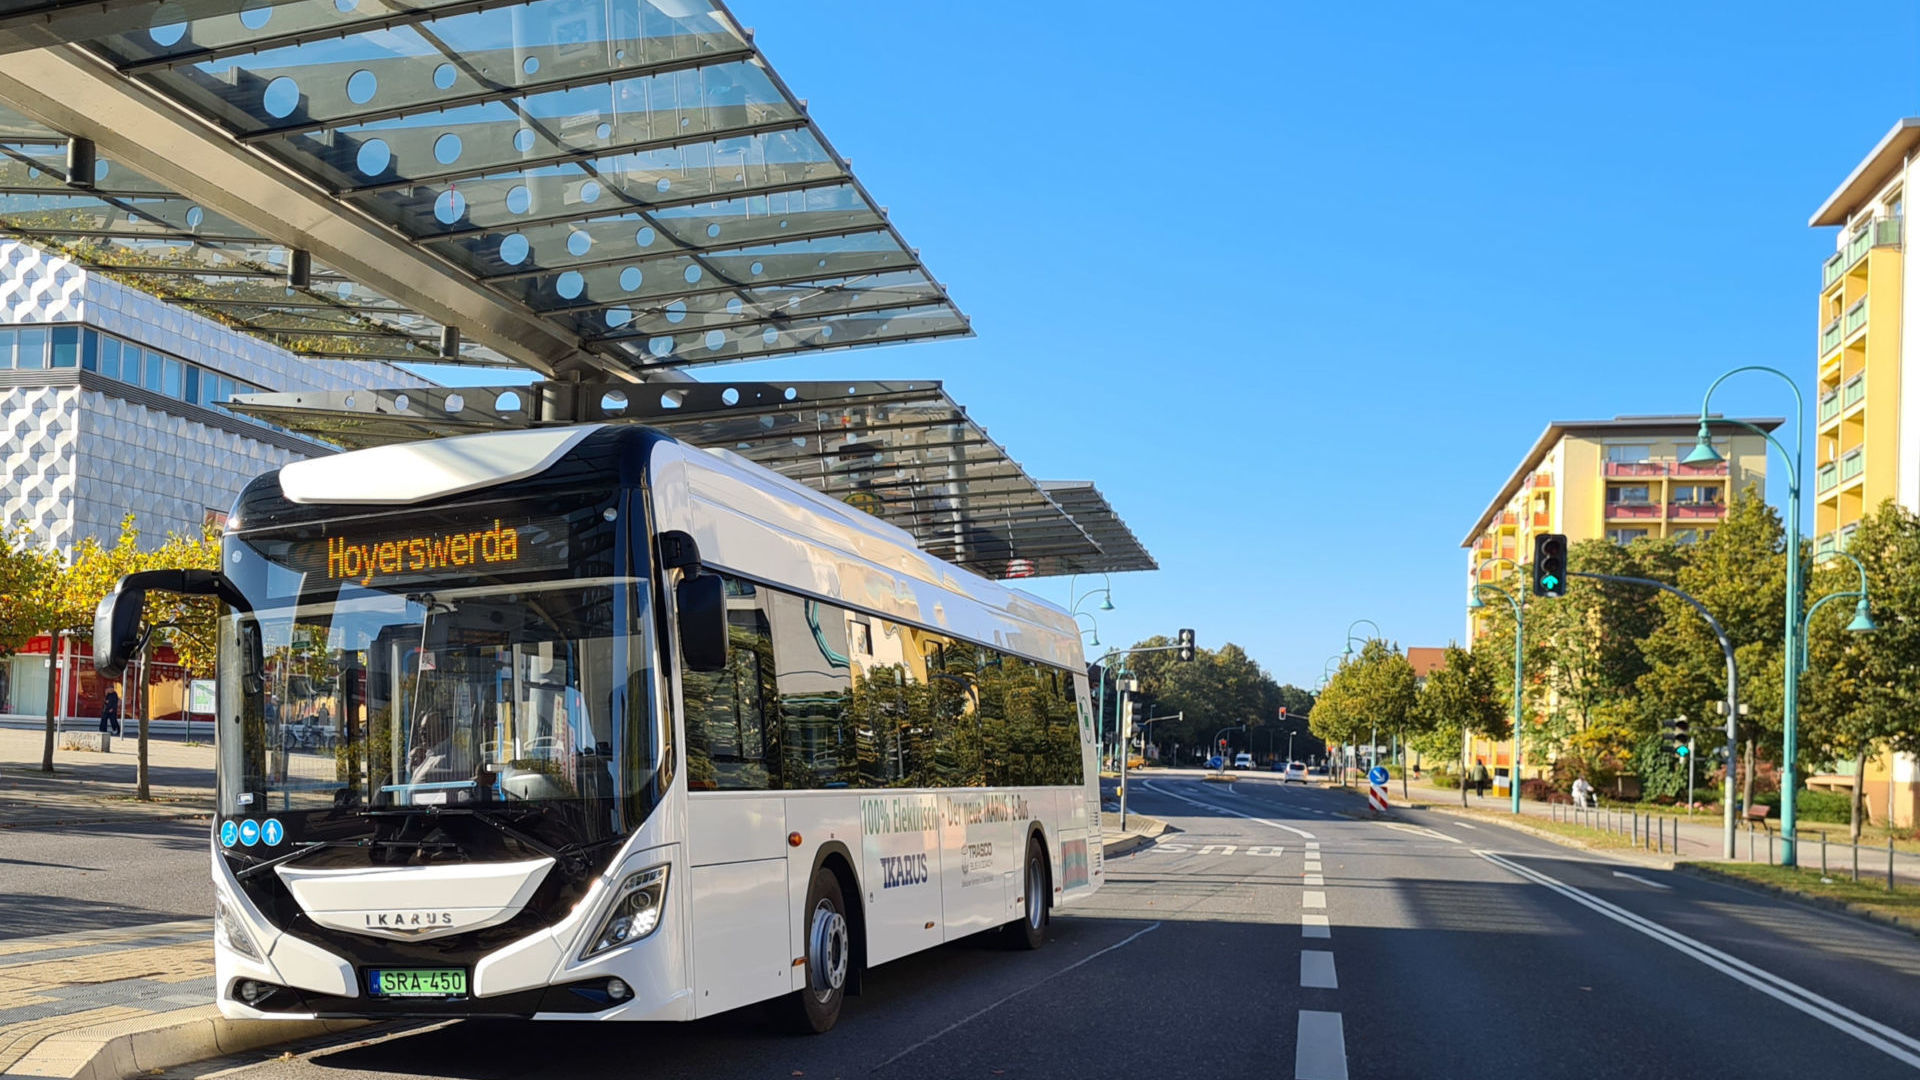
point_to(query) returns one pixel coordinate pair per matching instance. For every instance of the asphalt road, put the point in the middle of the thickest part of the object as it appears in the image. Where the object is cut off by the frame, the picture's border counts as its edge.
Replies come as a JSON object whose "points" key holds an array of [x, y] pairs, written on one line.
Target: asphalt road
{"points": [[58, 878], [1269, 934]]}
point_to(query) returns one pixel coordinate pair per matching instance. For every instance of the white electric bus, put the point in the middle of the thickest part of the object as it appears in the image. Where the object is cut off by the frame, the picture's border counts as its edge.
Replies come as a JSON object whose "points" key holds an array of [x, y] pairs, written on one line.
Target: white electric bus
{"points": [[622, 729]]}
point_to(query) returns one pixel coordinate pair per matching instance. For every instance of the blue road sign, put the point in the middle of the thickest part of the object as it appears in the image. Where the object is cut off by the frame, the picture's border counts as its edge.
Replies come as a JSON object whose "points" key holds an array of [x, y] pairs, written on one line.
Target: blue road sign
{"points": [[1377, 776], [249, 833], [271, 833], [229, 832]]}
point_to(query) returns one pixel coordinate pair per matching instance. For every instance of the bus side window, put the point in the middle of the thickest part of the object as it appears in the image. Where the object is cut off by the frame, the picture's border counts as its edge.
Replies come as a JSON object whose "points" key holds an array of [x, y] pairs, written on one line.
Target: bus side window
{"points": [[815, 674], [732, 741]]}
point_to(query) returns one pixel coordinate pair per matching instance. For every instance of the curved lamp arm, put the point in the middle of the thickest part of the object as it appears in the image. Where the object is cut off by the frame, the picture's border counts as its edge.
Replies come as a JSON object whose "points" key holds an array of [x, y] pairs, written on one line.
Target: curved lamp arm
{"points": [[1799, 410]]}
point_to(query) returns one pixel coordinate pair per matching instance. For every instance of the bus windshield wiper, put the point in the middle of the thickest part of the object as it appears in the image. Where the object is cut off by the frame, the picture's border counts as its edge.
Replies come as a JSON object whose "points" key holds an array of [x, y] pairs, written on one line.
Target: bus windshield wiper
{"points": [[300, 851], [571, 856]]}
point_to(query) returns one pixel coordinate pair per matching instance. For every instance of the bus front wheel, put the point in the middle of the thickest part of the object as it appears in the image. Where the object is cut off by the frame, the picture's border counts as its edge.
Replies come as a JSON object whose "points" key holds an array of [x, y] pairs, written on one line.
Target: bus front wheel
{"points": [[1030, 930], [829, 956]]}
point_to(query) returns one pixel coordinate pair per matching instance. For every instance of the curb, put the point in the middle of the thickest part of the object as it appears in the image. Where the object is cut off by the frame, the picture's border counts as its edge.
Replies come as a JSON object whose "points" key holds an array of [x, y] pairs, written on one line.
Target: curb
{"points": [[1627, 854], [1126, 844], [160, 1041], [1708, 872]]}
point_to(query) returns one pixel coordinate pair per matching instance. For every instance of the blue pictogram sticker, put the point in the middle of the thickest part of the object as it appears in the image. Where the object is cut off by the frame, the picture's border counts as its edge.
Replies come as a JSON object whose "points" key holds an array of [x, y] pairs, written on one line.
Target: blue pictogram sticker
{"points": [[271, 833], [229, 832], [249, 833]]}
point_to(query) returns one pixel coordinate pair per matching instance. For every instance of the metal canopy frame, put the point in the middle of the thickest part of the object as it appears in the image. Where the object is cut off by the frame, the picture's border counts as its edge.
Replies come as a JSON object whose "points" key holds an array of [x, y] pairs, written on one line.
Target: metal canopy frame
{"points": [[903, 451], [625, 187]]}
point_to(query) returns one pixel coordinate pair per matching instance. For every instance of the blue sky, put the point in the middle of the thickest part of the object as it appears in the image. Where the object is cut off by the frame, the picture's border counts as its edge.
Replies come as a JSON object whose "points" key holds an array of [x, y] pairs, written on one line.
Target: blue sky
{"points": [[1291, 282]]}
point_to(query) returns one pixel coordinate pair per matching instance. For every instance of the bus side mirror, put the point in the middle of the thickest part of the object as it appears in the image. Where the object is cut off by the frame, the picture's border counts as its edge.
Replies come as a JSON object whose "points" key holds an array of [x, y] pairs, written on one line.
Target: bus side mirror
{"points": [[702, 603], [116, 622]]}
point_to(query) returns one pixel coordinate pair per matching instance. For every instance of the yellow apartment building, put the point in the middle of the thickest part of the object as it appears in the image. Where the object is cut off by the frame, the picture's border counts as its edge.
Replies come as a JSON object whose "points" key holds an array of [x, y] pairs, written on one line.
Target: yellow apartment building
{"points": [[1863, 453], [1619, 479]]}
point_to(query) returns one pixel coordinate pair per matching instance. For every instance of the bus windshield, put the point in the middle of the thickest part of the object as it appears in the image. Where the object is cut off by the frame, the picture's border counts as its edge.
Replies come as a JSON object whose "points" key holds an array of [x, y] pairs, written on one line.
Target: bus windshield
{"points": [[524, 689]]}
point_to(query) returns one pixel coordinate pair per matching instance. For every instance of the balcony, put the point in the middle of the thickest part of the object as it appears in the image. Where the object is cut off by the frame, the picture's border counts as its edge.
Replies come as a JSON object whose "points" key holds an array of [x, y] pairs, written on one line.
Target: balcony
{"points": [[1508, 519], [1830, 337], [1826, 478], [1852, 465], [1829, 405], [1542, 519], [1717, 468], [1854, 319], [1619, 510], [1542, 479], [1882, 233], [1694, 511], [1636, 468], [1854, 392]]}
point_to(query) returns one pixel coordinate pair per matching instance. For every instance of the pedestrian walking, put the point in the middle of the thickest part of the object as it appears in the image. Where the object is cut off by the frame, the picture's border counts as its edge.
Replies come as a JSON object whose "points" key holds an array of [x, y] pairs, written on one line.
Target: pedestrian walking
{"points": [[1480, 777], [1583, 792], [110, 712]]}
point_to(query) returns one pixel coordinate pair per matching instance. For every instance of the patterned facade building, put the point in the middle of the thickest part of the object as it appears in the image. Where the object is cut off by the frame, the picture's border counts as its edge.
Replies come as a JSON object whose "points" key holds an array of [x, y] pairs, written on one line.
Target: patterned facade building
{"points": [[114, 402]]}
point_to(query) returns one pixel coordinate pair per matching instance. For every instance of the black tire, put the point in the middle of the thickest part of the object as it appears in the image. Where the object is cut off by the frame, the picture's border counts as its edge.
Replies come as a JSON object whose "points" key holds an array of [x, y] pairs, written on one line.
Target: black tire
{"points": [[829, 966], [1029, 931]]}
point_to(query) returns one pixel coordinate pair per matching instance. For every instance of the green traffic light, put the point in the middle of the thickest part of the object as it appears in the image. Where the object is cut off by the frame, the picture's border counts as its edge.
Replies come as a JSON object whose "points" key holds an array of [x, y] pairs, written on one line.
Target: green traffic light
{"points": [[1681, 750]]}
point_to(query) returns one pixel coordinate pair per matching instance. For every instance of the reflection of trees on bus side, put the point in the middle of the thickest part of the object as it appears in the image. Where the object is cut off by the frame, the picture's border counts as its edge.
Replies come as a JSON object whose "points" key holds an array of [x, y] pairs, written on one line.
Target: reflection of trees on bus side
{"points": [[947, 713]]}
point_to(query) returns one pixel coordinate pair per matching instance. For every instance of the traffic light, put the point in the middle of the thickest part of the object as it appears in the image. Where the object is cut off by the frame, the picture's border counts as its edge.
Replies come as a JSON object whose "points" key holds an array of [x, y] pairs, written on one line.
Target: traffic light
{"points": [[1682, 737], [1283, 712], [1186, 645], [1550, 564]]}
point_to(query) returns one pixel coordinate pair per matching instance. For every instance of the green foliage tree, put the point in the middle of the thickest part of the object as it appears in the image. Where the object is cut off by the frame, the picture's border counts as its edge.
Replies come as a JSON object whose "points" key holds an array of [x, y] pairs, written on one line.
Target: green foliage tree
{"points": [[1739, 574], [1861, 695], [1373, 692], [1219, 688], [1462, 696]]}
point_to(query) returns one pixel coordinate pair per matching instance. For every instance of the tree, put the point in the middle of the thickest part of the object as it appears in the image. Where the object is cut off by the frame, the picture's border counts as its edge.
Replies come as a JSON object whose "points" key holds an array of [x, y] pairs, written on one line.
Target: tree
{"points": [[1372, 692], [1860, 691], [1739, 574], [1219, 688], [1462, 696]]}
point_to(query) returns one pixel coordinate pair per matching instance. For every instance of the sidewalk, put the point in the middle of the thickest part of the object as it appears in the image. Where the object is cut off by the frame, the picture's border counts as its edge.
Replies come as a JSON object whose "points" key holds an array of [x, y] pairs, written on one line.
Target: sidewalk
{"points": [[105, 1004], [1700, 839], [89, 786]]}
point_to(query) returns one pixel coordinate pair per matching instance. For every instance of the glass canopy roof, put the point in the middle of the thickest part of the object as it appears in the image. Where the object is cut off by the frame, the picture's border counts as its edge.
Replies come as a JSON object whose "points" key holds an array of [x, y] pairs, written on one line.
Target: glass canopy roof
{"points": [[631, 171], [902, 451]]}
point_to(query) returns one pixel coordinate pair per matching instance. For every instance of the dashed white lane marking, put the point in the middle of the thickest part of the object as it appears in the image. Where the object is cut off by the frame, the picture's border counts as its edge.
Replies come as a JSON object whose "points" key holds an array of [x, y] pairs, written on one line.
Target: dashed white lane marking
{"points": [[1316, 879], [1319, 1047], [1304, 834], [1890, 1041], [1036, 984], [1313, 899], [1313, 866], [1316, 970], [1641, 880], [1464, 825], [1316, 926]]}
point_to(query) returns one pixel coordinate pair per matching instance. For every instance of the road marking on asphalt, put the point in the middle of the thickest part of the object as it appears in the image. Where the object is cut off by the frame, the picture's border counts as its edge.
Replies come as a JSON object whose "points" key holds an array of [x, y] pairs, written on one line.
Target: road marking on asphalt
{"points": [[971, 1017], [1313, 845], [1887, 1040], [1313, 899], [1225, 810], [1316, 970], [1464, 825], [1319, 1047], [1315, 879], [1419, 830], [1315, 926], [1641, 880], [1313, 866]]}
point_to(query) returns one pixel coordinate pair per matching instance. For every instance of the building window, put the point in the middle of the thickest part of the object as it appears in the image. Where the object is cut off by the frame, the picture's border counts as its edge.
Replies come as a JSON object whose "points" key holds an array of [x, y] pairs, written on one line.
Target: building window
{"points": [[1626, 536], [1629, 495], [1685, 536], [33, 350], [66, 346], [1621, 452], [109, 356], [1697, 494]]}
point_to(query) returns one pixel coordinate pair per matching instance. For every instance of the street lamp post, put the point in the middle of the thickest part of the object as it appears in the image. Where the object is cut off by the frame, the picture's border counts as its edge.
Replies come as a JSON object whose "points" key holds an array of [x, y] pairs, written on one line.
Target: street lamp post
{"points": [[1703, 453], [1519, 654]]}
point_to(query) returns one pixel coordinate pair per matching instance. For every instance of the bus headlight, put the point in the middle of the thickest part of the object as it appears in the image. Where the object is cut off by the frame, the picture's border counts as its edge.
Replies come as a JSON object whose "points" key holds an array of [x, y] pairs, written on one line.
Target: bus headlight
{"points": [[231, 932], [635, 913]]}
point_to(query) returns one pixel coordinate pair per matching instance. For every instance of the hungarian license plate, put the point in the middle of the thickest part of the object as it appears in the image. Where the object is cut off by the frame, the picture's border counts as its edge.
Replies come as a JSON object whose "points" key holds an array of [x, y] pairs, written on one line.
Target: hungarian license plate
{"points": [[417, 982]]}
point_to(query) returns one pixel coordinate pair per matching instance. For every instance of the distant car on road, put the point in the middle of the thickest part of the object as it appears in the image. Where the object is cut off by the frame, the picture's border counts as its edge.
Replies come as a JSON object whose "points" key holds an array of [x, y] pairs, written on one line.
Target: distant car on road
{"points": [[1243, 761], [1294, 771], [1213, 762], [1136, 762]]}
